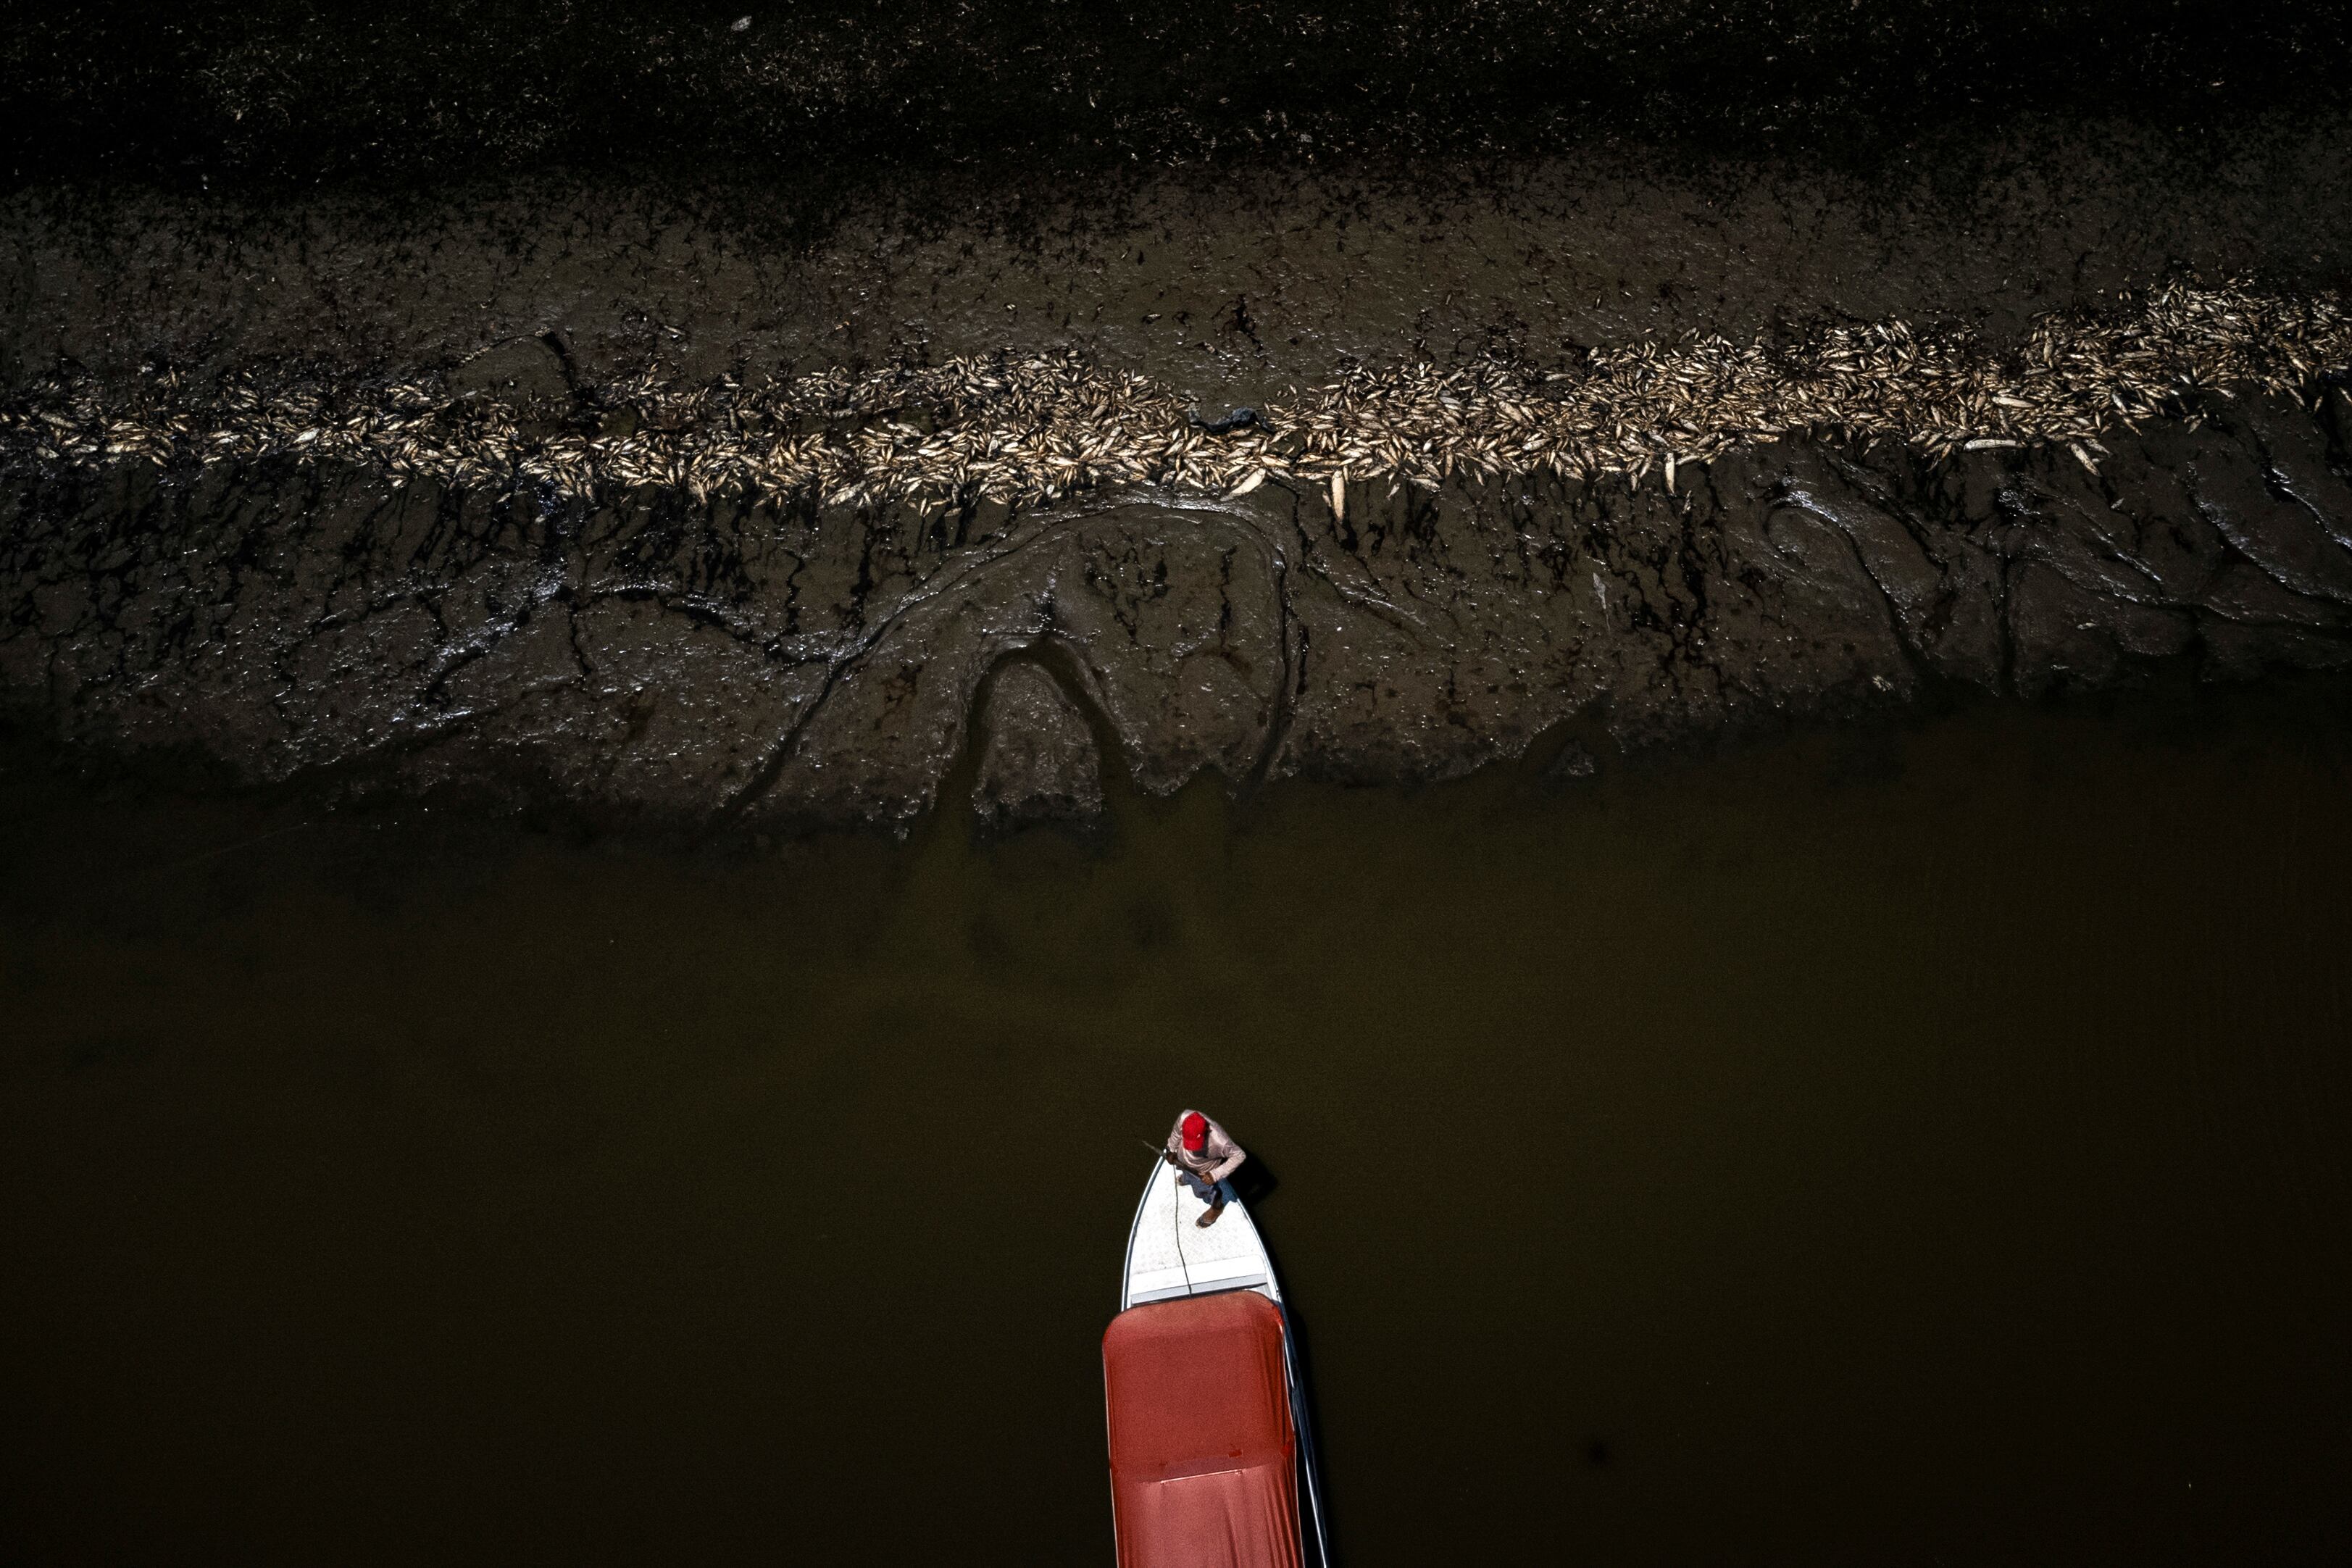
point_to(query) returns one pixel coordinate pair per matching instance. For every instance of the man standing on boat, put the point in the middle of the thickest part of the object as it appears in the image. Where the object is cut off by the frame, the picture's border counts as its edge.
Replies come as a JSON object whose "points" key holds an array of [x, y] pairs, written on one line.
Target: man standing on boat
{"points": [[1203, 1151]]}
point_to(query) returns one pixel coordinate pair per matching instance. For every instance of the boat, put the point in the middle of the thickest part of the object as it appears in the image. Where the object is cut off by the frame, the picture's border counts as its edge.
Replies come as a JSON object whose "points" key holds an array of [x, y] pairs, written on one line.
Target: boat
{"points": [[1212, 1457]]}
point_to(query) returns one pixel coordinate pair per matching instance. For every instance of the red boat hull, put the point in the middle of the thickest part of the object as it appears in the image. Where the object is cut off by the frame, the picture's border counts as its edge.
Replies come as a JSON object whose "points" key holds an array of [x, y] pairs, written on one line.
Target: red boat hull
{"points": [[1204, 1459]]}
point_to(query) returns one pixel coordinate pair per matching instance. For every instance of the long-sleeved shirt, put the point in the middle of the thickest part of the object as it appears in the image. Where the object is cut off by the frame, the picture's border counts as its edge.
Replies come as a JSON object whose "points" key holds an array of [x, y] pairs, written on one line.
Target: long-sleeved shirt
{"points": [[1219, 1156]]}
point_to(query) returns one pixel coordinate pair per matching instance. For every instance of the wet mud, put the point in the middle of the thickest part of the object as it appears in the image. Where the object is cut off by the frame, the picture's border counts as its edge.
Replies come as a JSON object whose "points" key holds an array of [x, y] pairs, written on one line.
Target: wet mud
{"points": [[1227, 283], [723, 661], [660, 653], [728, 664]]}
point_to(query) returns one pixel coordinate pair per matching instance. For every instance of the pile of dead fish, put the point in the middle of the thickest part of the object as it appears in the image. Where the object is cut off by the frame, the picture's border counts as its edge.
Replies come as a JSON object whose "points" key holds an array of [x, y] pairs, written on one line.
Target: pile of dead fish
{"points": [[1023, 429]]}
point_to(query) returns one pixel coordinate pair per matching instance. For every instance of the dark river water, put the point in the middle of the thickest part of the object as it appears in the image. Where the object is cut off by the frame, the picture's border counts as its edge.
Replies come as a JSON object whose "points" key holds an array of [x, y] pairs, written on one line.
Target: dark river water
{"points": [[1924, 1146]]}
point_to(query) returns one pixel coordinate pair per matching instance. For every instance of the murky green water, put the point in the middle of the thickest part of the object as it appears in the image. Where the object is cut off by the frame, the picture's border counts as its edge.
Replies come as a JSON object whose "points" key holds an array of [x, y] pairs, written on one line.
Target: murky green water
{"points": [[1923, 1147]]}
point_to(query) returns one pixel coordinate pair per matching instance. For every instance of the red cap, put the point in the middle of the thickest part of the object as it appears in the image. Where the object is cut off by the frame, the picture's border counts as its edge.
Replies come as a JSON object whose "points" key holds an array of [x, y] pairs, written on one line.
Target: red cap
{"points": [[1196, 1130]]}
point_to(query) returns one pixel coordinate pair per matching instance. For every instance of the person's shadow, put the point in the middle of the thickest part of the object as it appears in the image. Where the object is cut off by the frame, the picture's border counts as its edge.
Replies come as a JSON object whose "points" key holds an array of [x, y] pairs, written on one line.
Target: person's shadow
{"points": [[1255, 1181]]}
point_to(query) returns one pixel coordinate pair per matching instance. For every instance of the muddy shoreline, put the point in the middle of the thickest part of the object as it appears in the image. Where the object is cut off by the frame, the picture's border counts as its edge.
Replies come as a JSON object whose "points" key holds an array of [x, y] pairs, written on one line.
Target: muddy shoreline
{"points": [[727, 664], [661, 656]]}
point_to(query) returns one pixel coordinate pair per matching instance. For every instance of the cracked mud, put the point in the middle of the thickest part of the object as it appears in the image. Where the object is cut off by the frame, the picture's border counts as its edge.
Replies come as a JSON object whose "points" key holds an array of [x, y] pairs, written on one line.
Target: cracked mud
{"points": [[733, 663]]}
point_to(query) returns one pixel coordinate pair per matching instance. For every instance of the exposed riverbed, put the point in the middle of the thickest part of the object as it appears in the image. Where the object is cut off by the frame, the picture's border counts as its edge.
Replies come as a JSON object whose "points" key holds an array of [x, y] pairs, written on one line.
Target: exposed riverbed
{"points": [[1905, 1144]]}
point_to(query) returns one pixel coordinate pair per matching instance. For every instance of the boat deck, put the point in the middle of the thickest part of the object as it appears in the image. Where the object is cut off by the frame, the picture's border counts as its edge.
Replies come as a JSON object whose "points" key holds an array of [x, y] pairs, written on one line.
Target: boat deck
{"points": [[1169, 1255]]}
